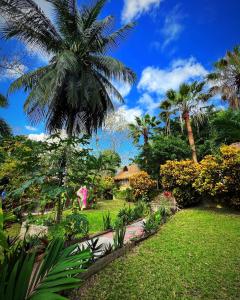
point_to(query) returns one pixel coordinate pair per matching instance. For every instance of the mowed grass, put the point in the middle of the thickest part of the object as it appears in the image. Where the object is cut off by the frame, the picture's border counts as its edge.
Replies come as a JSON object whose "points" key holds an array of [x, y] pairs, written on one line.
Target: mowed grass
{"points": [[196, 255], [95, 216]]}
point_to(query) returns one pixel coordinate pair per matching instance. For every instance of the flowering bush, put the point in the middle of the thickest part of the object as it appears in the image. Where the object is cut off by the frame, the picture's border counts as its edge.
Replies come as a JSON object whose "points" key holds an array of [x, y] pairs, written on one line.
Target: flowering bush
{"points": [[142, 185], [179, 177], [215, 177], [219, 178]]}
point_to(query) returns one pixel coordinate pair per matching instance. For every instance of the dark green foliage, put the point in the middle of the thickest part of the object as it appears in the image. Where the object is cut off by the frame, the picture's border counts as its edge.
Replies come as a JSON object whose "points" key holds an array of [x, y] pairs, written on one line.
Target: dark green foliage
{"points": [[22, 279], [186, 196], [162, 148], [76, 224], [5, 130], [226, 126], [107, 222]]}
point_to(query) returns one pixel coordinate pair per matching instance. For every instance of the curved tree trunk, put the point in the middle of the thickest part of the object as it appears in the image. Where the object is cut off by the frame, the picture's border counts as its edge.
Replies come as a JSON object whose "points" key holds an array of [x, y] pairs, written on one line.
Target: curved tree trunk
{"points": [[186, 117]]}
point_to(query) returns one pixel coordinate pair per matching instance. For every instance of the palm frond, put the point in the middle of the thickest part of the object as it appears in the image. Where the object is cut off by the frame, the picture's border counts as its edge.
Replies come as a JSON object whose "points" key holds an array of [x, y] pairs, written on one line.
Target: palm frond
{"points": [[54, 273]]}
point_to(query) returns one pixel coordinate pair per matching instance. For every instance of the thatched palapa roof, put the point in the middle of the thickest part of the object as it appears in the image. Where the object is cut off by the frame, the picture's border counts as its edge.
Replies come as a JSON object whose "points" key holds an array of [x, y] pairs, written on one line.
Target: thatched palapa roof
{"points": [[237, 145], [127, 172]]}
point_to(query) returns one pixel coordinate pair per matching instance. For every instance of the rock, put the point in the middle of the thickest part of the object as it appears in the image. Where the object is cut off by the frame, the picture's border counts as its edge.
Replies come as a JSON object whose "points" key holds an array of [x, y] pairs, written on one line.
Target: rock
{"points": [[32, 230]]}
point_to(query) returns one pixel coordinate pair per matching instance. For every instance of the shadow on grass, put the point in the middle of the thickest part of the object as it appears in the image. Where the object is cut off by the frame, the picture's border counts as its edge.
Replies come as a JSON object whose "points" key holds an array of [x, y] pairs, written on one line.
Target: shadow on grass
{"points": [[216, 208]]}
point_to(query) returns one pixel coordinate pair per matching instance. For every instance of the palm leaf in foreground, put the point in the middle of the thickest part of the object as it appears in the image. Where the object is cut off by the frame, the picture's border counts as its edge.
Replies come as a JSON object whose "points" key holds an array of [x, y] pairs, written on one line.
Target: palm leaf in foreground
{"points": [[40, 281]]}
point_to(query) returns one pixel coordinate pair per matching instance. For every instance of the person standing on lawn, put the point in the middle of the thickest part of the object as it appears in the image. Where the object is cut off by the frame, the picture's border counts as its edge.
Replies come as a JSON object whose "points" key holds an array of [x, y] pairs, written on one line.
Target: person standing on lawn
{"points": [[82, 194]]}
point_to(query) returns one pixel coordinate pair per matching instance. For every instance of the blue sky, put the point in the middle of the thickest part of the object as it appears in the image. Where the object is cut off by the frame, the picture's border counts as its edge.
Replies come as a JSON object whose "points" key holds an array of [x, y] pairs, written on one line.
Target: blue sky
{"points": [[173, 41]]}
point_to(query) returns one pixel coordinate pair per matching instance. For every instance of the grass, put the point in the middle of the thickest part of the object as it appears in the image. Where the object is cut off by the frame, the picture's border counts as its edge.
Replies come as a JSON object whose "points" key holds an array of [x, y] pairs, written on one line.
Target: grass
{"points": [[194, 256], [94, 216]]}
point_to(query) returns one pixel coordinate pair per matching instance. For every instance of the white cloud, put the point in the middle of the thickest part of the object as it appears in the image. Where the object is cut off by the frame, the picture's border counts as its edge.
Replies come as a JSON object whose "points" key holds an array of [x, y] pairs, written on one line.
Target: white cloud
{"points": [[156, 80], [46, 7], [13, 72], [123, 88], [172, 27], [133, 9], [130, 114], [41, 137], [148, 104], [31, 128], [121, 117]]}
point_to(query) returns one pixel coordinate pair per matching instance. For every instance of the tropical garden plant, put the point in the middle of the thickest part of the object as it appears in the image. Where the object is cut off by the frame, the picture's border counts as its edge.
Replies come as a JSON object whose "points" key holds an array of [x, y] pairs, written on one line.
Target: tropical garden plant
{"points": [[23, 277]]}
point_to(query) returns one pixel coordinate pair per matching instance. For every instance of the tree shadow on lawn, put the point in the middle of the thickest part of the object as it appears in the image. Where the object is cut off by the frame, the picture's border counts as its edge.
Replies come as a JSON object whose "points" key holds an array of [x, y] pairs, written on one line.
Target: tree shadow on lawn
{"points": [[216, 208]]}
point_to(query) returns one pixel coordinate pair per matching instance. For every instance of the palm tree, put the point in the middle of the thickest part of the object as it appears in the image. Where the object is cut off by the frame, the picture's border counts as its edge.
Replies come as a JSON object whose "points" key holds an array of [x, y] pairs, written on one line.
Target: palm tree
{"points": [[188, 100], [167, 111], [226, 78], [5, 130], [143, 128], [74, 90]]}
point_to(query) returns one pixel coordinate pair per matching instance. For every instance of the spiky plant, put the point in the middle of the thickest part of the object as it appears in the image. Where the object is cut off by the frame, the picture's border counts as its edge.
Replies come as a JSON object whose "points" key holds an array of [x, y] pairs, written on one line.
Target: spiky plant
{"points": [[226, 78], [188, 100], [75, 89]]}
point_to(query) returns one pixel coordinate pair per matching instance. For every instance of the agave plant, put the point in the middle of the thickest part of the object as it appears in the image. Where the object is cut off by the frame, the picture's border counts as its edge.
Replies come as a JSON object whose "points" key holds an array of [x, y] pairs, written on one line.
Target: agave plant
{"points": [[24, 278]]}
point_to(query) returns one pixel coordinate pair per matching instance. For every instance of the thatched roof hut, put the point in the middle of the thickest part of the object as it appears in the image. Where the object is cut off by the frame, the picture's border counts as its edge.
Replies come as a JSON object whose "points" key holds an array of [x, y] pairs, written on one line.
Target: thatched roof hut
{"points": [[237, 145], [125, 173]]}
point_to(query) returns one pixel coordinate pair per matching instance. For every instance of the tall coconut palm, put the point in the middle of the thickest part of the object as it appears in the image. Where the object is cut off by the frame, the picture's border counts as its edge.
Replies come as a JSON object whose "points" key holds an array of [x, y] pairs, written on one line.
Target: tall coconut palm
{"points": [[188, 100], [167, 110], [5, 130], [74, 90], [226, 78], [142, 128]]}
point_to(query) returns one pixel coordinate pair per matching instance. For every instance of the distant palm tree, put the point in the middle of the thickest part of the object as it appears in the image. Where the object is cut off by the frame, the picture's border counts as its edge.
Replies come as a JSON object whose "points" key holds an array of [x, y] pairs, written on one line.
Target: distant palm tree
{"points": [[188, 100], [143, 127], [5, 130], [226, 78], [74, 90], [167, 110]]}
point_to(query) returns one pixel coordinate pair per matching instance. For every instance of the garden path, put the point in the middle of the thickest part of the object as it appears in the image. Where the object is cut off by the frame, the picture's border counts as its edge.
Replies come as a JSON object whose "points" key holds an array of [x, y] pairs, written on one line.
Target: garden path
{"points": [[133, 230]]}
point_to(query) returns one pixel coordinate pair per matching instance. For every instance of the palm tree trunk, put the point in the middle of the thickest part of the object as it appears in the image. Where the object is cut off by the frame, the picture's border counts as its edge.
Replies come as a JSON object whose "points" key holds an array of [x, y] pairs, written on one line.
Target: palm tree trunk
{"points": [[145, 136], [186, 117]]}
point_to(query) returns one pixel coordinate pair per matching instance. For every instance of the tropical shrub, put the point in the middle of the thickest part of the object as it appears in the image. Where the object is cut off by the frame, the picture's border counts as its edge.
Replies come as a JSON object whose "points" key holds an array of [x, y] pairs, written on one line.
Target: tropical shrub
{"points": [[219, 177], [76, 224], [215, 178], [106, 186], [141, 184], [128, 214], [178, 177], [125, 194], [152, 223]]}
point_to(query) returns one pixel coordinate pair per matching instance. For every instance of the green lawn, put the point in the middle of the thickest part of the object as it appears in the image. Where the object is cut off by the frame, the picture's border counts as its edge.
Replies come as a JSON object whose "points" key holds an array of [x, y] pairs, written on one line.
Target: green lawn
{"points": [[196, 255], [94, 215]]}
